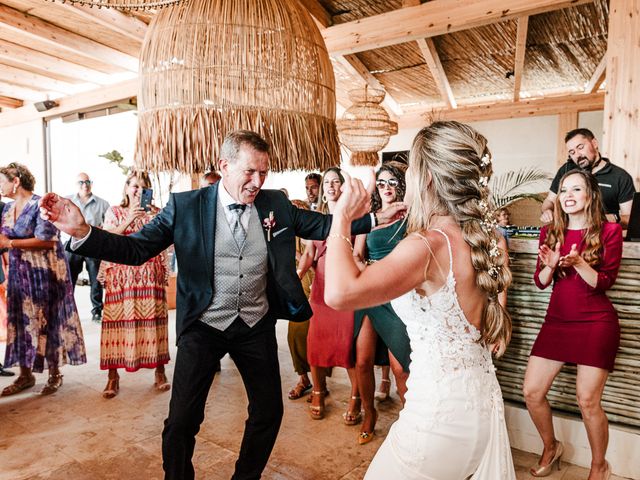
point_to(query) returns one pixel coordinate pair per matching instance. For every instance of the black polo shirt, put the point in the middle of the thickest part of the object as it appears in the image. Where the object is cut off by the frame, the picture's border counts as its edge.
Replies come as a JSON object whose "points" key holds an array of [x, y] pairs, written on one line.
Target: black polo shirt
{"points": [[615, 183]]}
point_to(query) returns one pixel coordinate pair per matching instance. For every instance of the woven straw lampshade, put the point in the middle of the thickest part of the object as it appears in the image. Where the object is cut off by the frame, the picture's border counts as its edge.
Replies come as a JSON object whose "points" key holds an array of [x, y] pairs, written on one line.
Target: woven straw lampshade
{"points": [[209, 67], [125, 4], [365, 126]]}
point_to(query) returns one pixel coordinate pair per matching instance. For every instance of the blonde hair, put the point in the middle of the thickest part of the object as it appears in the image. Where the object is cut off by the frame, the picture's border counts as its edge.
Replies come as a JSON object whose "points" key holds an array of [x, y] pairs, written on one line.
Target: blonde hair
{"points": [[449, 168], [143, 180]]}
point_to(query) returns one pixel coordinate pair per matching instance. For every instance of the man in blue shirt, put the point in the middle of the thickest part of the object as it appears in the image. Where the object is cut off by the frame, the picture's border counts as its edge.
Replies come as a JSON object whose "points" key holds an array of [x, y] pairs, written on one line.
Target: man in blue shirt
{"points": [[94, 209]]}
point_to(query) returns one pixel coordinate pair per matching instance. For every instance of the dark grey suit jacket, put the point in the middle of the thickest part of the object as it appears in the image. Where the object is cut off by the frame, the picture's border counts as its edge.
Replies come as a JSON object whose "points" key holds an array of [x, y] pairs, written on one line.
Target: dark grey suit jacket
{"points": [[188, 222]]}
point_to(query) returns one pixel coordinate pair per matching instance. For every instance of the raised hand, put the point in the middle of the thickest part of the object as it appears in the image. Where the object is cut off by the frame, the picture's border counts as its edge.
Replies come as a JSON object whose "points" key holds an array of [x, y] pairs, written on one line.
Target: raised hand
{"points": [[64, 214], [355, 200], [546, 217], [572, 259], [549, 257]]}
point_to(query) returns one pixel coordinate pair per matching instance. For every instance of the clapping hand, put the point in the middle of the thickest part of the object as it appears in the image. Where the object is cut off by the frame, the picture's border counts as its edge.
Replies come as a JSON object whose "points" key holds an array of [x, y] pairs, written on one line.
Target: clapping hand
{"points": [[549, 257], [572, 259], [64, 214]]}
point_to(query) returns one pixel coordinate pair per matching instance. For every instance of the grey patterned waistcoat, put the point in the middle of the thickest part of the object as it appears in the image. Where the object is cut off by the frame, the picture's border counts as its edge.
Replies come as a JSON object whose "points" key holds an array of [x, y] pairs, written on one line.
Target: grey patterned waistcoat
{"points": [[240, 275]]}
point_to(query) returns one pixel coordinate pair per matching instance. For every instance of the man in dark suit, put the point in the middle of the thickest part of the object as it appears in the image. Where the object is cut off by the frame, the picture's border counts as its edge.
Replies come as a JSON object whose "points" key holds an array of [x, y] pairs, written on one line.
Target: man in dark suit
{"points": [[235, 245]]}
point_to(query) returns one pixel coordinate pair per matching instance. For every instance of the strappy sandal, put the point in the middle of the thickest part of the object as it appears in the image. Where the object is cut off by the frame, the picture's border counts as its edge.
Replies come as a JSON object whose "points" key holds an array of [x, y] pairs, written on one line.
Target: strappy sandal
{"points": [[366, 437], [112, 388], [161, 383], [53, 384], [325, 392], [383, 393], [317, 411], [21, 383], [298, 391], [350, 417]]}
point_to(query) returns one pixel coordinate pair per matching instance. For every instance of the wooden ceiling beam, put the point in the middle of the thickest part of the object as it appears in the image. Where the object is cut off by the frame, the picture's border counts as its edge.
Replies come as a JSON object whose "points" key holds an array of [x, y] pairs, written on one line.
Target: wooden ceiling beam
{"points": [[34, 81], [95, 98], [410, 3], [9, 102], [521, 48], [429, 19], [357, 68], [598, 76], [27, 58], [115, 20], [14, 91], [318, 12], [36, 29], [505, 110], [430, 54]]}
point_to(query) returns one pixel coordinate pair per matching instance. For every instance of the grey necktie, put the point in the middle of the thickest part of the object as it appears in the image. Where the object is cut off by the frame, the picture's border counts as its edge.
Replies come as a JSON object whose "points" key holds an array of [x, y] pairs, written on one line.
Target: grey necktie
{"points": [[237, 209]]}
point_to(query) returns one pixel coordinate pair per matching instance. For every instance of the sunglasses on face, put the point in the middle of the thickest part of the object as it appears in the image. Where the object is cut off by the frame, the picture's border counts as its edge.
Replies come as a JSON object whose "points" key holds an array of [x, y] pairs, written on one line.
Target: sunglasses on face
{"points": [[392, 183], [86, 182]]}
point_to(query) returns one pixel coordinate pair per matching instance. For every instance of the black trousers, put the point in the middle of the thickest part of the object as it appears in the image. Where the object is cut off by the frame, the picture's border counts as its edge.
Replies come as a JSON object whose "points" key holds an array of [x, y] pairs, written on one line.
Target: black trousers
{"points": [[255, 353], [93, 265]]}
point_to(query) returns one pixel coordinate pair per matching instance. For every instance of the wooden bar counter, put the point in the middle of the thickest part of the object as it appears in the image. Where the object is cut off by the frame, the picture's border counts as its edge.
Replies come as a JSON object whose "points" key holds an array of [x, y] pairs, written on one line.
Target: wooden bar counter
{"points": [[528, 305]]}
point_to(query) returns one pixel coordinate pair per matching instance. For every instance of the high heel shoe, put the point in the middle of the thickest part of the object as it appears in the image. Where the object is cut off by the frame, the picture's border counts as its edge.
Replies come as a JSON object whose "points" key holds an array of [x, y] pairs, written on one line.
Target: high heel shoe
{"points": [[383, 393], [112, 388], [540, 471], [366, 437], [352, 417], [317, 411]]}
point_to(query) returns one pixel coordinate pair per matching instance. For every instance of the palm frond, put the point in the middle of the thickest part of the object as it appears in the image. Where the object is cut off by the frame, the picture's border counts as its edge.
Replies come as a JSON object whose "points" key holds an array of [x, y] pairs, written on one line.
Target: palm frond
{"points": [[517, 184]]}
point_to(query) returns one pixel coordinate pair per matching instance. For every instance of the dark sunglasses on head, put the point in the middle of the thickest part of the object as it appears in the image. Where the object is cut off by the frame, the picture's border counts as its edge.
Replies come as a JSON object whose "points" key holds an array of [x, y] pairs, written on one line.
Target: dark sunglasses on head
{"points": [[86, 182], [392, 182]]}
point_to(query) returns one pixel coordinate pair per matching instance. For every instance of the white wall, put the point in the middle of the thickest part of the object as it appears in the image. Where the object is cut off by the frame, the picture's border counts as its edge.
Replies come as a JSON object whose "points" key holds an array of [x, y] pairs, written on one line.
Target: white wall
{"points": [[24, 143]]}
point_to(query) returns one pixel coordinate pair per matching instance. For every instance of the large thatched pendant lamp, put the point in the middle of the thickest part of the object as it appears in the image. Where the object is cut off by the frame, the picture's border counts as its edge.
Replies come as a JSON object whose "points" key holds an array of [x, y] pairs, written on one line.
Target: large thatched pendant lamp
{"points": [[125, 4], [208, 67], [365, 126]]}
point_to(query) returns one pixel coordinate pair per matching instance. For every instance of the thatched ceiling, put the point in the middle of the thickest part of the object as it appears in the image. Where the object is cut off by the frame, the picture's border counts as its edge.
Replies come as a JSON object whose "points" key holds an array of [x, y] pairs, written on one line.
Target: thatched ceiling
{"points": [[48, 50]]}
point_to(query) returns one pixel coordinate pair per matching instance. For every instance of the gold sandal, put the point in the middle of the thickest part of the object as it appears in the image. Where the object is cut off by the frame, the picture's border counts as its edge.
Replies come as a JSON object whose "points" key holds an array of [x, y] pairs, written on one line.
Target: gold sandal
{"points": [[53, 384], [21, 383], [317, 411], [352, 418], [161, 383], [112, 388]]}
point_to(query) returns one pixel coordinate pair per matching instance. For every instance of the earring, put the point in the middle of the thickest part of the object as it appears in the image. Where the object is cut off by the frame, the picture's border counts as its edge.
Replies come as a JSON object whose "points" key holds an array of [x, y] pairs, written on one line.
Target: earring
{"points": [[324, 198], [15, 188]]}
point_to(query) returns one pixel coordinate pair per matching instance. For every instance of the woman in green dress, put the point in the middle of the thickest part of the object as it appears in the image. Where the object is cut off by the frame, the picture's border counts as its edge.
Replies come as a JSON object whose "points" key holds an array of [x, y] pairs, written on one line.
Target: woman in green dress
{"points": [[381, 337]]}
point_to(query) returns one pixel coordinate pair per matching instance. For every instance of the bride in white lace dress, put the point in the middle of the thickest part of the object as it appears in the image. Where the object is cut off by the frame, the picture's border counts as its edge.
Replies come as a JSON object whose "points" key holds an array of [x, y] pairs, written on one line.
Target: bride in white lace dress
{"points": [[446, 277]]}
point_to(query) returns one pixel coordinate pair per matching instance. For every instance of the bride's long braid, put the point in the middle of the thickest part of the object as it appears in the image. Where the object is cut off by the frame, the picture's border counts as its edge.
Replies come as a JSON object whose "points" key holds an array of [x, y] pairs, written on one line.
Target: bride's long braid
{"points": [[451, 163]]}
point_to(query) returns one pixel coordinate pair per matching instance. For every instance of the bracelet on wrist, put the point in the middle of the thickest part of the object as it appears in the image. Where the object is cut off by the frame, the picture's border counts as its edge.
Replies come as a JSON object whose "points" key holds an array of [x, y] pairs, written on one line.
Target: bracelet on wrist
{"points": [[346, 239]]}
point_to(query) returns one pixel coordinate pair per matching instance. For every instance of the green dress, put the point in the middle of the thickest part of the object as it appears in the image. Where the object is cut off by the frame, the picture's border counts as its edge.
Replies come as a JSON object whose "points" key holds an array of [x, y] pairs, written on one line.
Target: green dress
{"points": [[392, 332]]}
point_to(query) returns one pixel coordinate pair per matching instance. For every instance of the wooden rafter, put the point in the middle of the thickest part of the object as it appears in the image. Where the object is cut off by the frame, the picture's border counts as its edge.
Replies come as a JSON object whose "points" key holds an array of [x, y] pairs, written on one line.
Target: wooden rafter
{"points": [[9, 102], [73, 103], [430, 54], [598, 76], [14, 91], [116, 21], [32, 59], [410, 3], [504, 110], [429, 19], [355, 65], [34, 81], [38, 30], [521, 48]]}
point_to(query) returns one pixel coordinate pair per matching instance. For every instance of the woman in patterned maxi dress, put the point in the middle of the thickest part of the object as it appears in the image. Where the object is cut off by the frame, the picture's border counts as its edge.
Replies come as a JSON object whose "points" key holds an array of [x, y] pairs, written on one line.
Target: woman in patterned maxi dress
{"points": [[43, 325], [135, 321]]}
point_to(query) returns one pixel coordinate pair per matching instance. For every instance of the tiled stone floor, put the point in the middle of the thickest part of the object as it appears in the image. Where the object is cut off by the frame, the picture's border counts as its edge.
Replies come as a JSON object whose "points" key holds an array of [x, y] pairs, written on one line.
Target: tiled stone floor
{"points": [[77, 435]]}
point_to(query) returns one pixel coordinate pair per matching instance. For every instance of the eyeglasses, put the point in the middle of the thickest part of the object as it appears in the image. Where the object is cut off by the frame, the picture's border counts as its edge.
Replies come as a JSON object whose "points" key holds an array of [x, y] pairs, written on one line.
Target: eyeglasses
{"points": [[86, 182], [391, 183]]}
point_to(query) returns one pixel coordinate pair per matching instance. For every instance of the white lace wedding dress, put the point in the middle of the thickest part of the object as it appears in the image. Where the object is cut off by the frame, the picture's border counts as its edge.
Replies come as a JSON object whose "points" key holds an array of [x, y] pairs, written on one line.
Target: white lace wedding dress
{"points": [[452, 426]]}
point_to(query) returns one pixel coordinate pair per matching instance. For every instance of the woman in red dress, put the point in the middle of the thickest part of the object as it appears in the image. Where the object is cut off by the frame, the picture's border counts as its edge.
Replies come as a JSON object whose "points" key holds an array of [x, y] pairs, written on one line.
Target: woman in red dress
{"points": [[330, 338], [580, 253]]}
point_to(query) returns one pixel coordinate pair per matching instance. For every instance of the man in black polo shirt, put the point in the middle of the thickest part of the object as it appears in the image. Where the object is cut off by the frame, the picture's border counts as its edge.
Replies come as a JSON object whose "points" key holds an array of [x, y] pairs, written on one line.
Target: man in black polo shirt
{"points": [[615, 183]]}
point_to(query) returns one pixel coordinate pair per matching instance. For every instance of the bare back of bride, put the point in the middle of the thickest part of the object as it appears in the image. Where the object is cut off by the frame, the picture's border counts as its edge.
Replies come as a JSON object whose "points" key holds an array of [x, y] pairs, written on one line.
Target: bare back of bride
{"points": [[443, 281]]}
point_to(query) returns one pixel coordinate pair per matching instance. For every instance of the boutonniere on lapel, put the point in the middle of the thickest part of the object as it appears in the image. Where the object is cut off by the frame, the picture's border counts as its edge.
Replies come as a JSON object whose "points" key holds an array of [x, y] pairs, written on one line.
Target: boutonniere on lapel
{"points": [[268, 224]]}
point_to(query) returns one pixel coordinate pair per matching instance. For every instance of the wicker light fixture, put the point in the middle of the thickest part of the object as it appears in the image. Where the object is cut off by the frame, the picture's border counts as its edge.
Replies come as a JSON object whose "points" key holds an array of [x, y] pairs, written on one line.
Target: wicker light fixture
{"points": [[125, 4], [365, 126], [208, 67]]}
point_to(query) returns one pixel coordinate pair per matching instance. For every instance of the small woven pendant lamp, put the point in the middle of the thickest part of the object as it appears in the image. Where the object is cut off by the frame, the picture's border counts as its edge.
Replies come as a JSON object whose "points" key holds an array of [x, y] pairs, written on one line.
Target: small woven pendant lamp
{"points": [[208, 67], [124, 4], [365, 127]]}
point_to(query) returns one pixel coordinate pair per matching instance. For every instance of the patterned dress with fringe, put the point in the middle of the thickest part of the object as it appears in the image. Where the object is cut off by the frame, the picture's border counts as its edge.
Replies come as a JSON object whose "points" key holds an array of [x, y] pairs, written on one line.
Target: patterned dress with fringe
{"points": [[134, 319]]}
